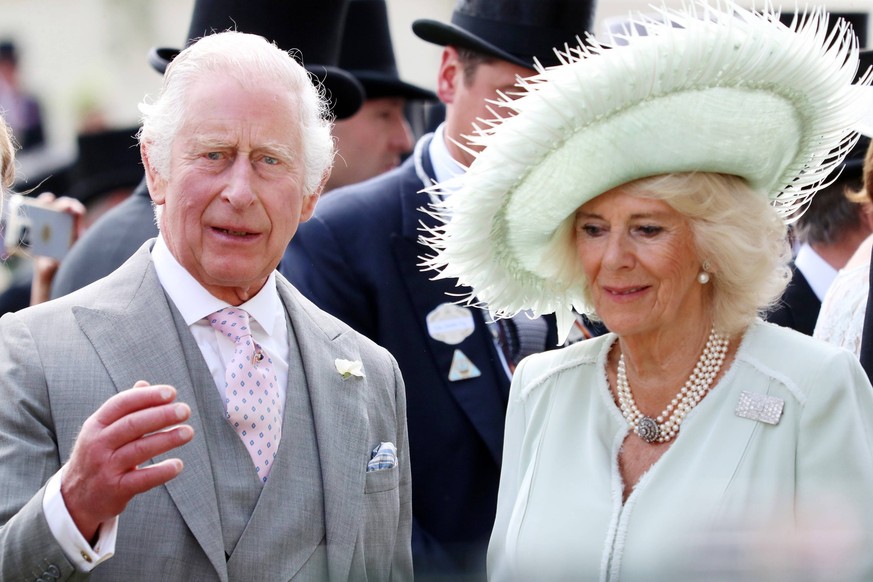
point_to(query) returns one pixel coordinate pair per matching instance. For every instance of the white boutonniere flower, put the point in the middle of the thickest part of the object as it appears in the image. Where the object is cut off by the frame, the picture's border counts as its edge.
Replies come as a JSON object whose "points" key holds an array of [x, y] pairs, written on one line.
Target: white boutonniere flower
{"points": [[348, 368]]}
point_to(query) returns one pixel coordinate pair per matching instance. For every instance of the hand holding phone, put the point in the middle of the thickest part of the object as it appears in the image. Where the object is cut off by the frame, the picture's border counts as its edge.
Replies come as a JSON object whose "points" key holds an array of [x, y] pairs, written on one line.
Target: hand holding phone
{"points": [[31, 227]]}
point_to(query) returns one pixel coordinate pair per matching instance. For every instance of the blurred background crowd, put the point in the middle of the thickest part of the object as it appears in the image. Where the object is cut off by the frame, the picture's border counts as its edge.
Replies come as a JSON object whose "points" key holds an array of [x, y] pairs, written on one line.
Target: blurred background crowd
{"points": [[85, 61]]}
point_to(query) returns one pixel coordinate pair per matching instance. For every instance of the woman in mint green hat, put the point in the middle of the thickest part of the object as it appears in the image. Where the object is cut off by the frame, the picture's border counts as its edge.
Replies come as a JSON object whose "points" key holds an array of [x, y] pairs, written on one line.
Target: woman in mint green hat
{"points": [[648, 184]]}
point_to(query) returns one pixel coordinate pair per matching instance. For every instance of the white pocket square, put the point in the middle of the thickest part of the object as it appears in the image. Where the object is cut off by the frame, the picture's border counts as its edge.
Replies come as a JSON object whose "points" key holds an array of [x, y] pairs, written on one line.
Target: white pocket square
{"points": [[383, 457]]}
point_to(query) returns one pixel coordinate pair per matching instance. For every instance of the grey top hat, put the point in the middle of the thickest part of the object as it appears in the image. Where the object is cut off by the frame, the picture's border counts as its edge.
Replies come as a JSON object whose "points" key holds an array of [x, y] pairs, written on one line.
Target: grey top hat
{"points": [[517, 31], [310, 27], [367, 53]]}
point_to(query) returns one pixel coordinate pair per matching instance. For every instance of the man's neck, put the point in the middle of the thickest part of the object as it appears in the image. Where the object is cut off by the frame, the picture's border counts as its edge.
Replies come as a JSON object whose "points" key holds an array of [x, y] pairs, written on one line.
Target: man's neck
{"points": [[838, 253]]}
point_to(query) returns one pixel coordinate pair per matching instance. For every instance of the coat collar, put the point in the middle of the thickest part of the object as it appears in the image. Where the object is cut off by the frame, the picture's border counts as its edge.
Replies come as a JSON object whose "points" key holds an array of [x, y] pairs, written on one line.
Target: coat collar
{"points": [[417, 174]]}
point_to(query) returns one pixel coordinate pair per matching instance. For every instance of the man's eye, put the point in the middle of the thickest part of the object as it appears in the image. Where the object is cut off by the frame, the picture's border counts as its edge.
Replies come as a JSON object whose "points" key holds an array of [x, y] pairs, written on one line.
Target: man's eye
{"points": [[214, 156], [271, 161]]}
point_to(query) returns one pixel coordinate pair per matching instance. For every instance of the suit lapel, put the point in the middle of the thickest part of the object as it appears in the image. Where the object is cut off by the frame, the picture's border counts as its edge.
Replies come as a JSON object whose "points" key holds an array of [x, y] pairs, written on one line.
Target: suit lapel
{"points": [[121, 330], [339, 410], [419, 174]]}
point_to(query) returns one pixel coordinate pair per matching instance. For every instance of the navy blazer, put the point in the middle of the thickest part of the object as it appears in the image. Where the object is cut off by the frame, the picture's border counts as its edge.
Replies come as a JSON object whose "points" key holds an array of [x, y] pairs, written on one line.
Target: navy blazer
{"points": [[799, 306], [358, 259]]}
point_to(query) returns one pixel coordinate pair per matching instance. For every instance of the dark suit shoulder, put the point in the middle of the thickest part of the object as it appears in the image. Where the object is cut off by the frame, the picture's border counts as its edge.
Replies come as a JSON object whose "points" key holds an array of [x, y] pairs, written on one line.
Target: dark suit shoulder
{"points": [[107, 243], [331, 326], [798, 308], [374, 200]]}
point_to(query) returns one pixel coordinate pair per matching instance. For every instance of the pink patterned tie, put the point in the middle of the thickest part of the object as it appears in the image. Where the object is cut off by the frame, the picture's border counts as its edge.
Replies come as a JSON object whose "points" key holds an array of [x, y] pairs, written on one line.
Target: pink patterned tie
{"points": [[251, 390]]}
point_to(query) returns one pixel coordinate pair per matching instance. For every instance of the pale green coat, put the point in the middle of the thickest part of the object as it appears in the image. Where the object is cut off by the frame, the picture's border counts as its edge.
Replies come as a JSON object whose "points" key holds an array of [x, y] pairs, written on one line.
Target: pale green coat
{"points": [[731, 499]]}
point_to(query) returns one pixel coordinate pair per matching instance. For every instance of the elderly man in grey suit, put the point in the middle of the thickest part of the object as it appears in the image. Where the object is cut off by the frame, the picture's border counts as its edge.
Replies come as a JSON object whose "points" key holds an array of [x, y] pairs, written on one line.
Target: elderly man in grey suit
{"points": [[192, 416]]}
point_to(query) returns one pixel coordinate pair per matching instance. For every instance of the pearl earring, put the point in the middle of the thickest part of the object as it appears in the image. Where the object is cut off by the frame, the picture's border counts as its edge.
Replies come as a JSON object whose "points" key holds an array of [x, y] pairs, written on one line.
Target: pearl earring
{"points": [[703, 277]]}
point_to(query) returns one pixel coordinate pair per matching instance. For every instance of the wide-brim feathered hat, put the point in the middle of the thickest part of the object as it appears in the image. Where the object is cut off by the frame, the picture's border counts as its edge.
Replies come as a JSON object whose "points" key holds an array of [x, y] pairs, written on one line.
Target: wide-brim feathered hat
{"points": [[865, 125], [311, 31], [368, 53], [518, 31], [703, 88]]}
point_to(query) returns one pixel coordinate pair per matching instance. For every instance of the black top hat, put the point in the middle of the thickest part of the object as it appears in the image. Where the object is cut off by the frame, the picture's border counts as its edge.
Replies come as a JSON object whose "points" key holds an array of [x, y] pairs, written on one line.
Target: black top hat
{"points": [[513, 30], [107, 160], [8, 52], [367, 53], [312, 27]]}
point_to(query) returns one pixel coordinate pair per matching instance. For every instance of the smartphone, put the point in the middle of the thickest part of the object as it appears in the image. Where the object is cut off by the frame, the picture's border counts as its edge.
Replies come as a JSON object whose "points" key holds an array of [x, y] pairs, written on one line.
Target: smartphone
{"points": [[32, 229]]}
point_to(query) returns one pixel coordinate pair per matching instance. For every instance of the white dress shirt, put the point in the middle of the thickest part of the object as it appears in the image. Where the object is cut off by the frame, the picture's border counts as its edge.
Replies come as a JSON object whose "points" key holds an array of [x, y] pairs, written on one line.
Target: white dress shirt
{"points": [[444, 165], [194, 303], [818, 272]]}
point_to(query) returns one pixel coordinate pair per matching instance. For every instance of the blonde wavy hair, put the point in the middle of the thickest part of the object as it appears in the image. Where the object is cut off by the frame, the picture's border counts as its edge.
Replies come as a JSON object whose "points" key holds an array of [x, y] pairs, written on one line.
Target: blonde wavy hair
{"points": [[865, 194], [7, 159]]}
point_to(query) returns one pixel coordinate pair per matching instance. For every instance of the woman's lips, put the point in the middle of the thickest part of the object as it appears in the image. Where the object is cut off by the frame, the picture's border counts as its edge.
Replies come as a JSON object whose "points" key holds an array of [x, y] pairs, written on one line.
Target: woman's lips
{"points": [[625, 291]]}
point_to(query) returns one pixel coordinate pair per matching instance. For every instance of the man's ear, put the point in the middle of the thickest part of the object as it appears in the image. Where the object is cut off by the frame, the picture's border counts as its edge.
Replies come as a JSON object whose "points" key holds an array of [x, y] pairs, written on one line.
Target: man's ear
{"points": [[310, 201], [450, 74], [865, 209], [157, 185]]}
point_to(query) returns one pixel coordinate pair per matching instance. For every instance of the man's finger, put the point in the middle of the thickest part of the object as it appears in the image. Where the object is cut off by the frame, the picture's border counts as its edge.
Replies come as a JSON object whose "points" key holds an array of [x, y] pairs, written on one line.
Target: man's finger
{"points": [[140, 423], [141, 450], [136, 398], [141, 480]]}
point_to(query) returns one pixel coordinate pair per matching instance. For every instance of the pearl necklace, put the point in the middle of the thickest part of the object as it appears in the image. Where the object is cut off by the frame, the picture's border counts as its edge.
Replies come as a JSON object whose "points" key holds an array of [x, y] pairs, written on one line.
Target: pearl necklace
{"points": [[666, 425]]}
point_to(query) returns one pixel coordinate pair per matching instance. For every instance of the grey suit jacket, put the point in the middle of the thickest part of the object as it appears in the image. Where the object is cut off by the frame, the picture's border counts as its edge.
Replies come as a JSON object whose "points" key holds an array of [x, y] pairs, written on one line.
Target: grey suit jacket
{"points": [[61, 360]]}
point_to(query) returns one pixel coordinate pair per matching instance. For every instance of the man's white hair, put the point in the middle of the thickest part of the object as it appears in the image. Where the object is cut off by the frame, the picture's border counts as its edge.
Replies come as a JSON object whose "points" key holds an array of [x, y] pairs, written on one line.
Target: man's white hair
{"points": [[252, 61]]}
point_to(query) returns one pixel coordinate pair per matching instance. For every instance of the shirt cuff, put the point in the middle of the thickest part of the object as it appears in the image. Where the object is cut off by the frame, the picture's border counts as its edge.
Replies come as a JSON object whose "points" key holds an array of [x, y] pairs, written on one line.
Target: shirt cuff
{"points": [[74, 545]]}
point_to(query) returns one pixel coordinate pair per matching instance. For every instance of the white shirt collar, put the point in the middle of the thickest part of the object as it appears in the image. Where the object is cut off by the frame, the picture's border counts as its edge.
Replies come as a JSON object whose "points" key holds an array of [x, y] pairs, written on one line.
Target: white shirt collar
{"points": [[444, 165], [818, 273], [194, 302]]}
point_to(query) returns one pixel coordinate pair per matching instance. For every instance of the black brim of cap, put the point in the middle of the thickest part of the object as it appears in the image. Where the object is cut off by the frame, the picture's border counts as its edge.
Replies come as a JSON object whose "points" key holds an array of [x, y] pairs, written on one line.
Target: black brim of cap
{"points": [[105, 183], [377, 85], [344, 93], [444, 34]]}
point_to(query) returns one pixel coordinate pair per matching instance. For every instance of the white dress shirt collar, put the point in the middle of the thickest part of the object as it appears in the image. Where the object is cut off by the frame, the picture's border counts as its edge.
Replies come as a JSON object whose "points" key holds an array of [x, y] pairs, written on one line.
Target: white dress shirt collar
{"points": [[444, 165], [194, 302], [818, 273]]}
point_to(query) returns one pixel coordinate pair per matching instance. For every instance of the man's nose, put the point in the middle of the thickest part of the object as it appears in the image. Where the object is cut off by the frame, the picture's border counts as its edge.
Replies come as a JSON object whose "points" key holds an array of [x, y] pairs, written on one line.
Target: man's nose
{"points": [[401, 136], [239, 191]]}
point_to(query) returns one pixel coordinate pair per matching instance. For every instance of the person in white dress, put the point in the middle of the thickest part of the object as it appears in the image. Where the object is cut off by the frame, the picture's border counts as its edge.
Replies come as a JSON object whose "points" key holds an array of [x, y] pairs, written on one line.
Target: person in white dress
{"points": [[647, 184], [841, 319]]}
